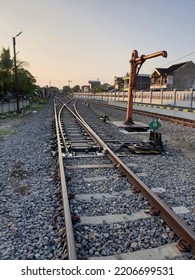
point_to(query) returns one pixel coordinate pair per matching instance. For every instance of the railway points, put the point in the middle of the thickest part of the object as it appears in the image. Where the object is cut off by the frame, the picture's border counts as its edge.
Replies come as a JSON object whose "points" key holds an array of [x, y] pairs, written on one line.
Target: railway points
{"points": [[93, 222], [110, 218]]}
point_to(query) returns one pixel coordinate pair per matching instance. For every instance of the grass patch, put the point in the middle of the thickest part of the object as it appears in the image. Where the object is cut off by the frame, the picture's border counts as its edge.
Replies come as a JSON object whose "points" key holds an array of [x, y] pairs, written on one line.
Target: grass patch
{"points": [[37, 104], [6, 132]]}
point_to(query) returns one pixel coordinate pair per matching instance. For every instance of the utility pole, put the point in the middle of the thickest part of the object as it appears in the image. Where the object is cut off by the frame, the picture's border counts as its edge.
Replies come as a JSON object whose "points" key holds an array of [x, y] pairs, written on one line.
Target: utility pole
{"points": [[136, 61], [69, 81], [15, 72]]}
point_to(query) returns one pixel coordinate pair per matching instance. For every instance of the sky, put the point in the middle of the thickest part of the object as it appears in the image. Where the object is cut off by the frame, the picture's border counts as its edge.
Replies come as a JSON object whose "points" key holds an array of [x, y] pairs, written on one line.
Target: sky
{"points": [[82, 40]]}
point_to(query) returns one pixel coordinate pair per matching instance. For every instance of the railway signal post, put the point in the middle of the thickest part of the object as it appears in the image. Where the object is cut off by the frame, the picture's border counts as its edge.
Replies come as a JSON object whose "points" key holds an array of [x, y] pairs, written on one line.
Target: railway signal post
{"points": [[135, 65]]}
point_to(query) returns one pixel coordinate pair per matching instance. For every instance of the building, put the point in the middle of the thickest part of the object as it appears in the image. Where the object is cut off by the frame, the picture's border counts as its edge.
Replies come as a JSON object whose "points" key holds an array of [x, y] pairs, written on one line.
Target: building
{"points": [[94, 85], [85, 88], [178, 76], [142, 82], [118, 83], [106, 87]]}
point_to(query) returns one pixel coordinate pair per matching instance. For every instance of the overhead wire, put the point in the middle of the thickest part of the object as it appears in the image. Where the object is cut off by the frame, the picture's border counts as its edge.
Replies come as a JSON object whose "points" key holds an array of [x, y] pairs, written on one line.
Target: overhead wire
{"points": [[172, 61], [178, 59]]}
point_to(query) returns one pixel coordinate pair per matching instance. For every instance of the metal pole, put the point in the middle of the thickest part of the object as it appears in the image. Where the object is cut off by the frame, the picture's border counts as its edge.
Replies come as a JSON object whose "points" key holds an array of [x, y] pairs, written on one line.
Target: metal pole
{"points": [[161, 96], [134, 62], [16, 75], [174, 102], [142, 96], [15, 72], [132, 84], [151, 95], [191, 98]]}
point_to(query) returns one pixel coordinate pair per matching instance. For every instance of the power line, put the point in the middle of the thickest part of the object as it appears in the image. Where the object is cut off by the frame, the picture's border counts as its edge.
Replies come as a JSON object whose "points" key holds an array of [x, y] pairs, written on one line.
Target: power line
{"points": [[171, 61], [178, 59]]}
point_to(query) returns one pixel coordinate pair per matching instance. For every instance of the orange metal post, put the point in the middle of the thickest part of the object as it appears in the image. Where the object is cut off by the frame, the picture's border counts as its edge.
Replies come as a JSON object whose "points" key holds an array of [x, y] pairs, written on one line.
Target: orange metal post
{"points": [[134, 62]]}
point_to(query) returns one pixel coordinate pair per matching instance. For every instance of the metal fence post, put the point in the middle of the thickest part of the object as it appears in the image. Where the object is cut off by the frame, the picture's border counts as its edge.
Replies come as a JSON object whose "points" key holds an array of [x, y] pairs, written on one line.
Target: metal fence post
{"points": [[191, 98], [161, 96], [175, 92], [142, 93], [150, 96]]}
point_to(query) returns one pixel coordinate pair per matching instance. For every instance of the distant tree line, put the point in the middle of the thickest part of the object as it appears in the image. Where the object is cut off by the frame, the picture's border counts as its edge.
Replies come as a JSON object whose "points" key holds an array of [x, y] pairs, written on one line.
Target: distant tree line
{"points": [[26, 81], [68, 89], [97, 89]]}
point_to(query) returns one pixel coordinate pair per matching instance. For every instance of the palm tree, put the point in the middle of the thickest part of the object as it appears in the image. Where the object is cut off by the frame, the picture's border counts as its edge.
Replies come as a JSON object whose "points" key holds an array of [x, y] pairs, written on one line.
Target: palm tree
{"points": [[6, 64], [26, 81]]}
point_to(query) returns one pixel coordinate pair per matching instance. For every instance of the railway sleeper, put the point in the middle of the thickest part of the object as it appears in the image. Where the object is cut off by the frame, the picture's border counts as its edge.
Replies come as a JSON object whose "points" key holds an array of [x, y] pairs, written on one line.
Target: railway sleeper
{"points": [[182, 245]]}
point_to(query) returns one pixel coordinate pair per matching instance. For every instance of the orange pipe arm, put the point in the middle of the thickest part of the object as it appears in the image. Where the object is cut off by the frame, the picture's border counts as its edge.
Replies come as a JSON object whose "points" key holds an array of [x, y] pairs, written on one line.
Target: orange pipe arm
{"points": [[144, 57]]}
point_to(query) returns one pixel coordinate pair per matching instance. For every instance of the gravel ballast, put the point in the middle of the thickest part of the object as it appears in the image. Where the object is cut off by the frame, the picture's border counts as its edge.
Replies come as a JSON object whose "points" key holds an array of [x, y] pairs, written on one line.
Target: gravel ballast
{"points": [[173, 170], [31, 215], [31, 226], [153, 170]]}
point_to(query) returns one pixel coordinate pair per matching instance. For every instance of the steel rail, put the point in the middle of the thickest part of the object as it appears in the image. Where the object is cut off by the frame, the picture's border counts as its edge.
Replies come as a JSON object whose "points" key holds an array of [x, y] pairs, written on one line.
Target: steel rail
{"points": [[168, 215], [71, 249], [173, 119], [61, 130]]}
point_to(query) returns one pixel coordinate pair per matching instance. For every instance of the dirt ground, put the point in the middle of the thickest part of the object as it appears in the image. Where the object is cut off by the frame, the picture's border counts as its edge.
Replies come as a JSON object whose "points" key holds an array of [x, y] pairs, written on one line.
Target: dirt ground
{"points": [[9, 126]]}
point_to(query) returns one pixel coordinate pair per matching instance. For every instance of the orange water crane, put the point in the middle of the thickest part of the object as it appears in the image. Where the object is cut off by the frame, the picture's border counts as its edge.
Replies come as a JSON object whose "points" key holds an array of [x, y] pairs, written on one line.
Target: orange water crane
{"points": [[136, 61]]}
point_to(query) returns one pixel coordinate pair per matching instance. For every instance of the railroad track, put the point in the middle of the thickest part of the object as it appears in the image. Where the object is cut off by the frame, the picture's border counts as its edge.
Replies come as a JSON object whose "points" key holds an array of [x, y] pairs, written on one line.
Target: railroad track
{"points": [[112, 214], [175, 120]]}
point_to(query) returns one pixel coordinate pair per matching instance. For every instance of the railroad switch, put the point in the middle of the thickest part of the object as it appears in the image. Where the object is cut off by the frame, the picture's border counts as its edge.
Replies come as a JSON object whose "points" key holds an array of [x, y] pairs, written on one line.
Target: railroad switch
{"points": [[143, 148], [156, 139], [152, 146]]}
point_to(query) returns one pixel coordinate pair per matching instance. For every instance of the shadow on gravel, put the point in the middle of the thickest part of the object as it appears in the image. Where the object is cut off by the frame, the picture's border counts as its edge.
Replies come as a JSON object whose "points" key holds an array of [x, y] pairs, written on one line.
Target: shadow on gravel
{"points": [[19, 179]]}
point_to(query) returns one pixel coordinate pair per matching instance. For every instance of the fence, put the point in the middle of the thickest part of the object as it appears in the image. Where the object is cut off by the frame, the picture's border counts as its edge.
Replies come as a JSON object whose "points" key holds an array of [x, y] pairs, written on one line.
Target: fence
{"points": [[173, 98], [11, 106]]}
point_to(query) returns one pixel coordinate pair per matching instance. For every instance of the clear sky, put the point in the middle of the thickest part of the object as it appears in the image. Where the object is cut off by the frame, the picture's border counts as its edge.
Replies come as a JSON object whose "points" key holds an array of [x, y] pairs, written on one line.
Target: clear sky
{"points": [[82, 40]]}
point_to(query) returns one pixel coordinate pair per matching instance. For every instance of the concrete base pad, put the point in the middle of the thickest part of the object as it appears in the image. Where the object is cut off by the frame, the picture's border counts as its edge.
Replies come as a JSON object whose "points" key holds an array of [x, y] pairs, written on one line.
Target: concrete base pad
{"points": [[133, 126]]}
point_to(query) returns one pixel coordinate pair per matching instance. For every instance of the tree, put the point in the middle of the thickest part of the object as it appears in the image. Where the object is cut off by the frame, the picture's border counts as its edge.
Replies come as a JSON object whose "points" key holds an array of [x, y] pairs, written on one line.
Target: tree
{"points": [[97, 89], [66, 89], [76, 88], [26, 81], [6, 64]]}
